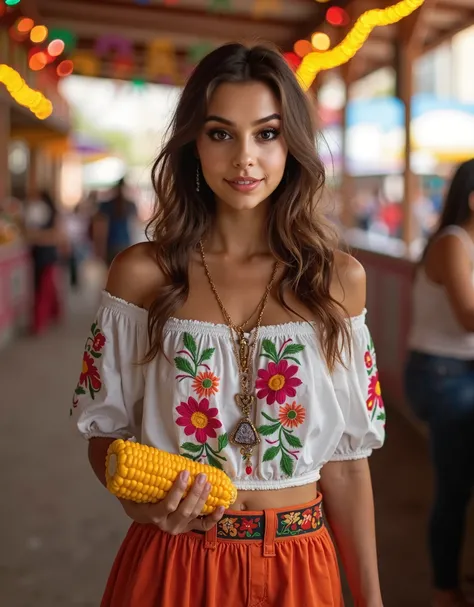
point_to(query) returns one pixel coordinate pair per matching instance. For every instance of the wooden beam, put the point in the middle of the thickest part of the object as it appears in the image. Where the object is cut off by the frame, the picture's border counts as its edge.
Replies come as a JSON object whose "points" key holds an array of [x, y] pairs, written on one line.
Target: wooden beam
{"points": [[444, 36], [148, 22]]}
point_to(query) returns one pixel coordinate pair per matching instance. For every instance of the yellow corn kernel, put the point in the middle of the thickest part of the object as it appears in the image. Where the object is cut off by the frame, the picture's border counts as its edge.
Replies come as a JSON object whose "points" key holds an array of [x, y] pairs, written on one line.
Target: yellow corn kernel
{"points": [[145, 474]]}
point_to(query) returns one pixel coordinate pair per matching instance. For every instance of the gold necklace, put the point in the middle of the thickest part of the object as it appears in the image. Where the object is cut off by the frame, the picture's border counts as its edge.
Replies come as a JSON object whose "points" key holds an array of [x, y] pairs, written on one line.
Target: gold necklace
{"points": [[245, 434]]}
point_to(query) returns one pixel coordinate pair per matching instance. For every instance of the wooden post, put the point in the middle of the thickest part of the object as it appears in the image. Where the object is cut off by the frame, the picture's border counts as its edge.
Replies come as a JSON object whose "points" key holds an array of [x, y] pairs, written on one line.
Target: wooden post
{"points": [[406, 93], [410, 46], [347, 185]]}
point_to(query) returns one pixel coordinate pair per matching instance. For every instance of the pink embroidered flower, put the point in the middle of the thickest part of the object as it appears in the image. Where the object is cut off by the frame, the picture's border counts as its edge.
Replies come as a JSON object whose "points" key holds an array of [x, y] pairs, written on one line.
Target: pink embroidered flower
{"points": [[197, 418], [90, 373], [374, 396], [99, 342], [277, 382]]}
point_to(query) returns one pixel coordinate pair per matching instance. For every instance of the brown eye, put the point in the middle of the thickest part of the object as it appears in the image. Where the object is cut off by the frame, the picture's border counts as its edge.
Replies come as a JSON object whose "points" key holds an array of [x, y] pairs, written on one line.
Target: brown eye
{"points": [[269, 134], [218, 135]]}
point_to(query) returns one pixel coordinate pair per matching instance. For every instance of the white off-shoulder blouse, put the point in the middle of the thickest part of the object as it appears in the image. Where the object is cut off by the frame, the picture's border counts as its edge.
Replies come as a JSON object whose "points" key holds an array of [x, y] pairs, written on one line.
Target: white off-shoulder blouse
{"points": [[305, 415]]}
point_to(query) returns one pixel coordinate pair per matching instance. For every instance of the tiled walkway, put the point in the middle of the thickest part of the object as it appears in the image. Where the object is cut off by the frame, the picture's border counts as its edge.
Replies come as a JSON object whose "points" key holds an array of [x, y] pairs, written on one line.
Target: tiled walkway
{"points": [[59, 527]]}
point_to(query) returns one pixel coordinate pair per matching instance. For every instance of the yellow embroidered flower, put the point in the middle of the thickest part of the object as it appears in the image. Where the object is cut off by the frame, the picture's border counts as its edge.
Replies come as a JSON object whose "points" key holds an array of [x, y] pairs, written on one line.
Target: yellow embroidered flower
{"points": [[291, 518], [228, 526]]}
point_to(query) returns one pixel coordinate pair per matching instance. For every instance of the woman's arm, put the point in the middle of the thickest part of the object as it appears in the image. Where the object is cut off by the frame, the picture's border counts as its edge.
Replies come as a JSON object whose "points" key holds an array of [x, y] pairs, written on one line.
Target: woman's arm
{"points": [[346, 485], [349, 507]]}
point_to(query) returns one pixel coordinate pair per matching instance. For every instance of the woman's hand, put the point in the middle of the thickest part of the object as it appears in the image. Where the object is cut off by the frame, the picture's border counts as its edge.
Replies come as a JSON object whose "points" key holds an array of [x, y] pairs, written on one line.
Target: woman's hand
{"points": [[174, 514]]}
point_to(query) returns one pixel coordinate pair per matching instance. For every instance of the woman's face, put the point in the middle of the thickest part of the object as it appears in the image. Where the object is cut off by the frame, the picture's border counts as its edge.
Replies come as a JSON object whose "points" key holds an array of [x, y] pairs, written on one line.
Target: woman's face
{"points": [[240, 148]]}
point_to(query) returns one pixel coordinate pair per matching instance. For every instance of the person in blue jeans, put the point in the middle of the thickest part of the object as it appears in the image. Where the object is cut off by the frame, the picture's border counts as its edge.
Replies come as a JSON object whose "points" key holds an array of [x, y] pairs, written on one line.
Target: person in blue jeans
{"points": [[439, 378]]}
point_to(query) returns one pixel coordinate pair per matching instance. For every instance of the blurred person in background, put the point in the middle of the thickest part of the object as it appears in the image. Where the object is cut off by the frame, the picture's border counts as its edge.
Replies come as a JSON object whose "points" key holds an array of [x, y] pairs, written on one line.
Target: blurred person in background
{"points": [[76, 224], [113, 224], [43, 232], [238, 236], [439, 377]]}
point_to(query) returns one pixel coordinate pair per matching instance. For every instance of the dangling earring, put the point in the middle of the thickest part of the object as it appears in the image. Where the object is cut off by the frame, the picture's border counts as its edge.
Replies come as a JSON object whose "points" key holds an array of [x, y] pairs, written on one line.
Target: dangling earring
{"points": [[198, 179]]}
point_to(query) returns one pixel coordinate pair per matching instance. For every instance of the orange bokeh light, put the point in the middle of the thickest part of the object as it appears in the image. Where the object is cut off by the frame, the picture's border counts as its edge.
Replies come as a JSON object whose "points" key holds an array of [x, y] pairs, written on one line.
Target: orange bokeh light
{"points": [[55, 47], [39, 33], [65, 68], [24, 25], [302, 47], [38, 61]]}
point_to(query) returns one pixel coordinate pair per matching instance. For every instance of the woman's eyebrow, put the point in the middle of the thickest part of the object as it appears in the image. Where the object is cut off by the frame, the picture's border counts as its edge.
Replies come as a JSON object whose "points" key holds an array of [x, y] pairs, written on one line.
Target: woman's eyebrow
{"points": [[214, 118]]}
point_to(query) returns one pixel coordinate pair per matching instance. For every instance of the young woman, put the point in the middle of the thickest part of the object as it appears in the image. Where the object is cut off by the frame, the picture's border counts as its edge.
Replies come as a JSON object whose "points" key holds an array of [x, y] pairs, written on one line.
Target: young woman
{"points": [[440, 377], [242, 299]]}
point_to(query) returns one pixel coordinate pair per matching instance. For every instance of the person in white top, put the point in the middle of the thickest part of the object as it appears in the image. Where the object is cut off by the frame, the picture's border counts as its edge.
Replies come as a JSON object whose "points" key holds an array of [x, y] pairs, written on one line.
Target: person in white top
{"points": [[236, 337], [439, 377]]}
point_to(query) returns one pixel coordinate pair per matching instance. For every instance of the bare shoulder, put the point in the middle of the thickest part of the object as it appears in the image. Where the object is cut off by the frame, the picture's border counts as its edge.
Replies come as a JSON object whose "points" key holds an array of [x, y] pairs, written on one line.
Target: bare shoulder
{"points": [[135, 275], [348, 283]]}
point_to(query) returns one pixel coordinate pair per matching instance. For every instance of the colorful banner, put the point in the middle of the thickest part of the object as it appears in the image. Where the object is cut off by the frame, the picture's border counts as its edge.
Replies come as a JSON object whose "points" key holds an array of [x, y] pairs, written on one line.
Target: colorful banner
{"points": [[161, 61]]}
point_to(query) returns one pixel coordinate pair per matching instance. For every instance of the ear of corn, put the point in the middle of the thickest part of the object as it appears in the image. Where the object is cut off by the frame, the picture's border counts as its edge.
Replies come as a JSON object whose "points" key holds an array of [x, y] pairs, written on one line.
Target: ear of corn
{"points": [[145, 475]]}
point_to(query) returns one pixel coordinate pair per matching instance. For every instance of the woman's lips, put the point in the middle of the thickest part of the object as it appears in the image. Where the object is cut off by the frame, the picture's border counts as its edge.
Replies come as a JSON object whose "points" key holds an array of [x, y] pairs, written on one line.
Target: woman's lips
{"points": [[244, 185]]}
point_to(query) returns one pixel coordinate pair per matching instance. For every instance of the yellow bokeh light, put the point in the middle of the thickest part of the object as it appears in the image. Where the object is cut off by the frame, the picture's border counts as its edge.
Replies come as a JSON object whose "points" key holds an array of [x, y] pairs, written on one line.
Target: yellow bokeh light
{"points": [[38, 34], [35, 101], [320, 41], [315, 62]]}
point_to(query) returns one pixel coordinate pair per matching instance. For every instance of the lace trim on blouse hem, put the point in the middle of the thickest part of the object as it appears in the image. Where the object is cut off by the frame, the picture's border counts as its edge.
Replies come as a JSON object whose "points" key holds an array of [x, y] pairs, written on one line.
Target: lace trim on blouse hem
{"points": [[197, 327], [343, 457], [284, 483], [98, 434]]}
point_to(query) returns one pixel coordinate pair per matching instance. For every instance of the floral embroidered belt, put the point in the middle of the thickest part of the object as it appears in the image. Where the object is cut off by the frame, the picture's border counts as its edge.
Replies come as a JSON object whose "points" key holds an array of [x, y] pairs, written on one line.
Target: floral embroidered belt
{"points": [[251, 526]]}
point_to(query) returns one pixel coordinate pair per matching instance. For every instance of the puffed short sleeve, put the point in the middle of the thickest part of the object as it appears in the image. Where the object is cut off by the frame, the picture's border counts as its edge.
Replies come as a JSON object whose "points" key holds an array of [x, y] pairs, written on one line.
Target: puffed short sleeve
{"points": [[108, 398], [358, 393]]}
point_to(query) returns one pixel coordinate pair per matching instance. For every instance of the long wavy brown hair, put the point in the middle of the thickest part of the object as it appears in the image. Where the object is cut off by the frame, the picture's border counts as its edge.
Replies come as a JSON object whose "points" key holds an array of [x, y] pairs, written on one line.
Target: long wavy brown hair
{"points": [[298, 234]]}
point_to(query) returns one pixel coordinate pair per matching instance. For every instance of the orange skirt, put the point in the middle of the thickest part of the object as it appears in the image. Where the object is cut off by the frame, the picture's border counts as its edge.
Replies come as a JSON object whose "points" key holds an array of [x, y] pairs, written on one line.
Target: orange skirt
{"points": [[267, 558]]}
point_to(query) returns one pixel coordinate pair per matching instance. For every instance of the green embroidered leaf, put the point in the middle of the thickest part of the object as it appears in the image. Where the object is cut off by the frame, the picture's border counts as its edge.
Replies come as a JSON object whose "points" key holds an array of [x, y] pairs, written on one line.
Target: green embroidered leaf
{"points": [[206, 355], [292, 349], [190, 344], [271, 453], [267, 430], [213, 461], [293, 440], [191, 447], [270, 419], [79, 390], [95, 354], [270, 349], [93, 328], [295, 360], [184, 365], [223, 441], [91, 391], [286, 464], [381, 417]]}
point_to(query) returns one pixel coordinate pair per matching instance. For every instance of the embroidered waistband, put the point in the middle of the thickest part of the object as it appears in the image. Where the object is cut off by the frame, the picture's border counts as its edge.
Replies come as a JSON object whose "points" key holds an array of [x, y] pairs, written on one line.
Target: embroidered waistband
{"points": [[289, 523]]}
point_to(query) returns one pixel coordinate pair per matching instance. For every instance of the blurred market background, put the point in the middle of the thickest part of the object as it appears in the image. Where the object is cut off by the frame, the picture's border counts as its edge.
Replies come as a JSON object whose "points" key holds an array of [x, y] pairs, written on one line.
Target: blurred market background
{"points": [[86, 91]]}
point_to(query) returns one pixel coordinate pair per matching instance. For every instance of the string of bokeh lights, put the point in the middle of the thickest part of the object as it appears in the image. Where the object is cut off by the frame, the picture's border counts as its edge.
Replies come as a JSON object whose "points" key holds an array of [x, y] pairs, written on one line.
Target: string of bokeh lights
{"points": [[309, 58], [47, 48]]}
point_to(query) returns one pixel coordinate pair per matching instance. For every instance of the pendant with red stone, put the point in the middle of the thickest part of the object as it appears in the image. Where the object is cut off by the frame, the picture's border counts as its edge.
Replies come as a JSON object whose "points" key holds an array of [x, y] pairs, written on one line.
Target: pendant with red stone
{"points": [[248, 469]]}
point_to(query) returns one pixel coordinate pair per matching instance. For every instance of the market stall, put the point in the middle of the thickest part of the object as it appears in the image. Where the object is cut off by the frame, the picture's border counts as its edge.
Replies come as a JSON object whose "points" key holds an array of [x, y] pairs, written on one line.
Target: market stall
{"points": [[33, 115]]}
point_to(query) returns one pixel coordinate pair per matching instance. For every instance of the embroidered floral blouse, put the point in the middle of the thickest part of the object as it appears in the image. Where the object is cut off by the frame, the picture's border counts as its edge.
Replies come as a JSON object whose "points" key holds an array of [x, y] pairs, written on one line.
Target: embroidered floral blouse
{"points": [[305, 415]]}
